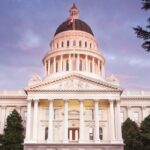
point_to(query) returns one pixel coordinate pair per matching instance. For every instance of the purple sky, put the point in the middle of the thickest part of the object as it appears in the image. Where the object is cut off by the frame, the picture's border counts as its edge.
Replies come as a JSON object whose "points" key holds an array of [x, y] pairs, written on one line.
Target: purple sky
{"points": [[27, 27]]}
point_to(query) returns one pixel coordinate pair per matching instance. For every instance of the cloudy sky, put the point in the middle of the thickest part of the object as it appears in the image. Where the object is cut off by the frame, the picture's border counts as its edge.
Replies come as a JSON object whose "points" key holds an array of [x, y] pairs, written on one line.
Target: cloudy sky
{"points": [[27, 27]]}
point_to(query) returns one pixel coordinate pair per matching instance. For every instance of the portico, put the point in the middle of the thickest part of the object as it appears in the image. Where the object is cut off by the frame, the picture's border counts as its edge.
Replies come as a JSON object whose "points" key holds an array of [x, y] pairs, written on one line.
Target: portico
{"points": [[73, 116]]}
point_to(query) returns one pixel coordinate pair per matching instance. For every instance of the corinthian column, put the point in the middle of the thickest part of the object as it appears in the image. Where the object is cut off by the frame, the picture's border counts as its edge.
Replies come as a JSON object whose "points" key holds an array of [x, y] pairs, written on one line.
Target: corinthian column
{"points": [[112, 121], [35, 121], [97, 140], [118, 122], [28, 123], [50, 122], [65, 140], [81, 138]]}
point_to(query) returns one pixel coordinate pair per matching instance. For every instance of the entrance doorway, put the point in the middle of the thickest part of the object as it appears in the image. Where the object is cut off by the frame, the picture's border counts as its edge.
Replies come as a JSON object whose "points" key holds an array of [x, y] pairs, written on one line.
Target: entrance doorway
{"points": [[73, 134]]}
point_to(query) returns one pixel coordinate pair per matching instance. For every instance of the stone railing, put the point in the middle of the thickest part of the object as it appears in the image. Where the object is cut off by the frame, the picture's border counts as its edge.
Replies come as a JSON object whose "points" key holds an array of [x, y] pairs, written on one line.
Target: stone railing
{"points": [[135, 93], [19, 93]]}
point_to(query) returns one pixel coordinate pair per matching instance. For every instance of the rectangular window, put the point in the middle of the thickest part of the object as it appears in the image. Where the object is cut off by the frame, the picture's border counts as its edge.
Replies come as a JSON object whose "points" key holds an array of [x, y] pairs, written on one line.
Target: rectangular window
{"points": [[56, 114], [91, 134], [100, 133]]}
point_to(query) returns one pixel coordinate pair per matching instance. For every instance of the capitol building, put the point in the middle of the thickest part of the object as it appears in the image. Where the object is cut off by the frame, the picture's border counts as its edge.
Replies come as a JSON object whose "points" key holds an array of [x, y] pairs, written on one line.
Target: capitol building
{"points": [[74, 106]]}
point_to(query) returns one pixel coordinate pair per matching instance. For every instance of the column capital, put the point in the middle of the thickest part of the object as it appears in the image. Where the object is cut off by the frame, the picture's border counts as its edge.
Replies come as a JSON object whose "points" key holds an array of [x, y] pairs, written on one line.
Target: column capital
{"points": [[81, 100], [36, 100], [96, 100], [50, 100]]}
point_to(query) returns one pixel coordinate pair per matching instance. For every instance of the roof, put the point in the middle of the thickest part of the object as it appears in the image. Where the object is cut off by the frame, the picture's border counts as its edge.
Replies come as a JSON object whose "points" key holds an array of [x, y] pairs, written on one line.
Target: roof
{"points": [[74, 24]]}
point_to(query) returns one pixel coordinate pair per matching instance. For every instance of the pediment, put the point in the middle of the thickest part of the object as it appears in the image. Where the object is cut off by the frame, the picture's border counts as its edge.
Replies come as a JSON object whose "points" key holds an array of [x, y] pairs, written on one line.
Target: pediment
{"points": [[73, 82]]}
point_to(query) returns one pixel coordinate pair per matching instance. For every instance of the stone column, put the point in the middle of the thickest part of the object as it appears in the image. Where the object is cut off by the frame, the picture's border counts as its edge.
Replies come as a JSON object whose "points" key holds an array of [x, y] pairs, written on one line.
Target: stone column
{"points": [[70, 64], [45, 67], [98, 71], [28, 123], [118, 122], [49, 64], [61, 63], [97, 139], [35, 121], [3, 115], [103, 70], [93, 65], [86, 63], [81, 131], [112, 121], [78, 62], [54, 64], [50, 122], [65, 140]]}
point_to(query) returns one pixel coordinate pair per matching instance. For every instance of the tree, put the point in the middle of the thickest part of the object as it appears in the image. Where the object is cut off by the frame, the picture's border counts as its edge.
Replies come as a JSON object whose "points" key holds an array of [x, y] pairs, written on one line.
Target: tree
{"points": [[130, 133], [144, 33], [13, 133], [145, 133]]}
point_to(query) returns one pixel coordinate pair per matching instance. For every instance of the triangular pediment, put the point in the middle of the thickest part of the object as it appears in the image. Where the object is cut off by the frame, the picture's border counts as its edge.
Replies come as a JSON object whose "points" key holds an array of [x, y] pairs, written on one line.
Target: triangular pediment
{"points": [[74, 82]]}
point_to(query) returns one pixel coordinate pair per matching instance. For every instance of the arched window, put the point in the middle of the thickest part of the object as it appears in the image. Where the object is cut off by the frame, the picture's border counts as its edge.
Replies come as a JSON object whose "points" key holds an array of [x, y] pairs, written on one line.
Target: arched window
{"points": [[80, 65], [67, 65], [74, 43], [100, 133], [46, 133], [57, 45], [62, 44], [68, 43], [85, 44], [80, 43]]}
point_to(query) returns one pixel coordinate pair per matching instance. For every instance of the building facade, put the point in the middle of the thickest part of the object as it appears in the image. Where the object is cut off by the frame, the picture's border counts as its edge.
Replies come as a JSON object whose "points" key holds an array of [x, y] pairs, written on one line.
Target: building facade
{"points": [[74, 106]]}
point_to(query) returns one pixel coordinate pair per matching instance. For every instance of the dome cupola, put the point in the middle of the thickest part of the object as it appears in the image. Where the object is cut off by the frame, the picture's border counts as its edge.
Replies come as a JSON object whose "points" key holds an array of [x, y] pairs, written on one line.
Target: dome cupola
{"points": [[74, 49]]}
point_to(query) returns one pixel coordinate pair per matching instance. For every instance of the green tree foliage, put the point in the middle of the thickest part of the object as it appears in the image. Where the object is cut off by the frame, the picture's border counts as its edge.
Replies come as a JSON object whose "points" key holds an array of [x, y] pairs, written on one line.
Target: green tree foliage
{"points": [[145, 133], [131, 133], [144, 33], [13, 133]]}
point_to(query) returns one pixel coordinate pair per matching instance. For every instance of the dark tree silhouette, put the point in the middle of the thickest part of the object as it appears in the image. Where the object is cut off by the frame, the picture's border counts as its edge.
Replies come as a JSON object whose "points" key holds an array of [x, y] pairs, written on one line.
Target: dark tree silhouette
{"points": [[145, 133], [131, 135], [13, 133], [144, 33]]}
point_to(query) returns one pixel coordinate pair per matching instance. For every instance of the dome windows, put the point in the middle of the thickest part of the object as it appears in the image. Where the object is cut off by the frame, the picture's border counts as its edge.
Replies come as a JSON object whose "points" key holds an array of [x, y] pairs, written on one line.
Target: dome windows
{"points": [[62, 44], [80, 43], [74, 43], [68, 43]]}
